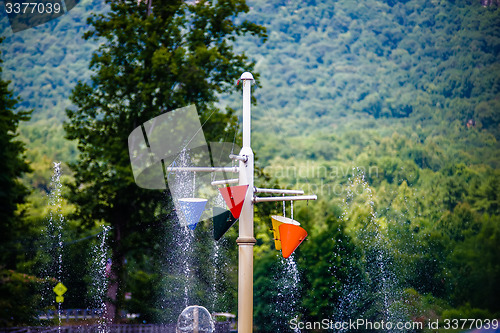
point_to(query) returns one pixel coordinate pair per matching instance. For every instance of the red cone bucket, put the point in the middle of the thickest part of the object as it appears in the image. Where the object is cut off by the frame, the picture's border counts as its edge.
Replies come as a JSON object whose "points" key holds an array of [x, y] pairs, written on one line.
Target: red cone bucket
{"points": [[291, 237], [234, 196], [277, 221]]}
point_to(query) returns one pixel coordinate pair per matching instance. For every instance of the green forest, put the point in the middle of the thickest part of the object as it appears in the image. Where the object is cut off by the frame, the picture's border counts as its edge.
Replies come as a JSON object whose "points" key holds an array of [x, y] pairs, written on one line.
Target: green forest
{"points": [[388, 111]]}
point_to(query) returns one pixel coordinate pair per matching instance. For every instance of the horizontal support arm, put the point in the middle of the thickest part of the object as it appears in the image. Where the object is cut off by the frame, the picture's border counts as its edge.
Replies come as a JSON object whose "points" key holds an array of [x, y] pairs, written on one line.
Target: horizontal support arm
{"points": [[203, 169], [225, 181], [277, 190], [238, 157], [287, 198]]}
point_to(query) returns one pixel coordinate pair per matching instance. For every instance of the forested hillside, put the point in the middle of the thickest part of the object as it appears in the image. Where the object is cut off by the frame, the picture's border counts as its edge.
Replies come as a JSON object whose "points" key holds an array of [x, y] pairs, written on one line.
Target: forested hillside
{"points": [[44, 63], [388, 110], [325, 66], [429, 66]]}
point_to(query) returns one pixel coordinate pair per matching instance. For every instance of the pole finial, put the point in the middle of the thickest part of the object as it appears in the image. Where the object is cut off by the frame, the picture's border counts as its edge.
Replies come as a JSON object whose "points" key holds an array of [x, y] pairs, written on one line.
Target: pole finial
{"points": [[246, 76]]}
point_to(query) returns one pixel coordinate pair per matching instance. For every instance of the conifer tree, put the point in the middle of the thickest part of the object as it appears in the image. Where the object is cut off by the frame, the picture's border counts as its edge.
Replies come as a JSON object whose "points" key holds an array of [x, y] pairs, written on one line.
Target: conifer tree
{"points": [[12, 166]]}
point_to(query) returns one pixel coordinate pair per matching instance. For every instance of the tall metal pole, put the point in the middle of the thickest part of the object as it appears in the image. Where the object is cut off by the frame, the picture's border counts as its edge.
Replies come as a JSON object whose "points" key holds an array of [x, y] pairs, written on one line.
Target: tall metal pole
{"points": [[246, 239]]}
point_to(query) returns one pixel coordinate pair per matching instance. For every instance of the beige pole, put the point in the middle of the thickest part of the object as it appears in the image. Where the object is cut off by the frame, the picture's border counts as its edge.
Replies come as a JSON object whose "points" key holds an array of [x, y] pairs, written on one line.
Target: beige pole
{"points": [[246, 239]]}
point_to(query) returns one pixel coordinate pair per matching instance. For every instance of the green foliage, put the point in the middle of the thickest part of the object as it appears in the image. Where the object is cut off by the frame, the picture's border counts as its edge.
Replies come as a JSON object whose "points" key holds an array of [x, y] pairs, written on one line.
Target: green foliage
{"points": [[142, 295], [19, 295], [265, 293], [473, 266], [467, 311], [331, 259]]}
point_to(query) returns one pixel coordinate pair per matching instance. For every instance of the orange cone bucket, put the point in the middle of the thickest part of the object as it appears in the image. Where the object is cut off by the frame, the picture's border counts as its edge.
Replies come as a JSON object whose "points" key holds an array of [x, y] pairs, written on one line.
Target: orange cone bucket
{"points": [[277, 221], [291, 237]]}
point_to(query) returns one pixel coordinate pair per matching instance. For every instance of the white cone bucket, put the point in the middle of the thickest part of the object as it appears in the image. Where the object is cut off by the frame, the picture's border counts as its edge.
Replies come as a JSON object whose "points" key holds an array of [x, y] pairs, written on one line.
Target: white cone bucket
{"points": [[191, 209]]}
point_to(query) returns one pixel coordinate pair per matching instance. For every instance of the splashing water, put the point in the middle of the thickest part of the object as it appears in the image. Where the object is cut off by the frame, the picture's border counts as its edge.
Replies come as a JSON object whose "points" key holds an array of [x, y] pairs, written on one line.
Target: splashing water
{"points": [[287, 281], [56, 221], [373, 288], [217, 261], [186, 250], [289, 286], [99, 274], [53, 242], [185, 185], [178, 254]]}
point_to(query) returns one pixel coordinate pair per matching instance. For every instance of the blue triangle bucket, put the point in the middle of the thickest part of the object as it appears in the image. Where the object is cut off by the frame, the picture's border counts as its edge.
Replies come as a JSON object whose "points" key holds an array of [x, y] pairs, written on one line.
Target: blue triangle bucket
{"points": [[191, 209]]}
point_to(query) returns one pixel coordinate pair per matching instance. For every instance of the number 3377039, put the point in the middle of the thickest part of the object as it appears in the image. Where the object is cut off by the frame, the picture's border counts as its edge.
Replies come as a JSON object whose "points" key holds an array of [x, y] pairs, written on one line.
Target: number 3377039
{"points": [[470, 324], [32, 8]]}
